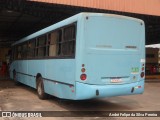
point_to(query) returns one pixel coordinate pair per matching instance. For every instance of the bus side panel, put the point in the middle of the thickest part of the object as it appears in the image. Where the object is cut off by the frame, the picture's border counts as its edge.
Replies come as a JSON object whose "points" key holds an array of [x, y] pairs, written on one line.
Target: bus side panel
{"points": [[22, 69], [34, 67], [51, 71], [60, 78], [13, 66], [62, 70], [59, 90]]}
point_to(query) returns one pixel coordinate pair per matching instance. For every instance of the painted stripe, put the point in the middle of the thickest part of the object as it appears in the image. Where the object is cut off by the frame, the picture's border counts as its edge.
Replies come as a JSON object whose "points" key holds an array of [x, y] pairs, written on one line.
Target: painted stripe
{"points": [[46, 79], [25, 74], [58, 81]]}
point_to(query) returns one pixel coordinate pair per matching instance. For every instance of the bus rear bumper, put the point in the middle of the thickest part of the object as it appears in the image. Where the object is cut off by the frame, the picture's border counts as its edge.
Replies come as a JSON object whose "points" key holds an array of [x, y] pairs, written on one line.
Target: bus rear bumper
{"points": [[87, 91]]}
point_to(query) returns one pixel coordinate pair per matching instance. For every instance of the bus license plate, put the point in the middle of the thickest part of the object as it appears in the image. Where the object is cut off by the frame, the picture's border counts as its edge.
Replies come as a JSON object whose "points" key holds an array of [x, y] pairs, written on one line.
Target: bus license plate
{"points": [[116, 80]]}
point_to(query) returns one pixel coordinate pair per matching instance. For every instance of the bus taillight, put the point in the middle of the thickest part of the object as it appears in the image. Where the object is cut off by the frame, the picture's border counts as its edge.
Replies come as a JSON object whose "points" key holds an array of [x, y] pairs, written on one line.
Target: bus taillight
{"points": [[83, 76], [83, 70], [142, 71]]}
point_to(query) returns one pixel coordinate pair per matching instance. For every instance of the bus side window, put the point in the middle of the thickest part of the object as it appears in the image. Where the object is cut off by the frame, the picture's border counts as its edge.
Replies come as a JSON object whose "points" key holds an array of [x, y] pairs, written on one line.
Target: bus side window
{"points": [[19, 52], [24, 51], [53, 38], [59, 43], [41, 46], [69, 41], [31, 48]]}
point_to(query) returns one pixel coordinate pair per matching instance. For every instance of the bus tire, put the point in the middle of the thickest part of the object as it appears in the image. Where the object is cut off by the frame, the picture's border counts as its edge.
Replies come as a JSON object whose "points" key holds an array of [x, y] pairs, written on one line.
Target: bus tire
{"points": [[40, 89]]}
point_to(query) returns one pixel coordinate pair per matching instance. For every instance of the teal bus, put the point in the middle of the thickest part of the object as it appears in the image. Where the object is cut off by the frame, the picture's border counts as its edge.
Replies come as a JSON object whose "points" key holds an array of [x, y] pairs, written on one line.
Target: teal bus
{"points": [[89, 55]]}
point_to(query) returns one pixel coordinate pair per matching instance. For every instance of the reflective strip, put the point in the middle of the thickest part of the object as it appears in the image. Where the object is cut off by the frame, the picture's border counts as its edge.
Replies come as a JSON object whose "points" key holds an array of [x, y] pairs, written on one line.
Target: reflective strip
{"points": [[142, 61]]}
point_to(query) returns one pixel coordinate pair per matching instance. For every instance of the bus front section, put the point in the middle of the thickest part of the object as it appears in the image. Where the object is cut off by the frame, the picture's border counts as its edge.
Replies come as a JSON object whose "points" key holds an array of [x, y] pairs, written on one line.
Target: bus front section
{"points": [[112, 60]]}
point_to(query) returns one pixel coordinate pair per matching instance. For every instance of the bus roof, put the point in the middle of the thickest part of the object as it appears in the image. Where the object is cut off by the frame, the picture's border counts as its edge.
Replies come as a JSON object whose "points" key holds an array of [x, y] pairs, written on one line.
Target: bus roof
{"points": [[69, 21]]}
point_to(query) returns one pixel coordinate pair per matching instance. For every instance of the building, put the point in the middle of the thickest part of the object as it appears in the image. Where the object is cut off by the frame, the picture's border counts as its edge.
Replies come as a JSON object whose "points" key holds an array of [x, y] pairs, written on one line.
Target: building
{"points": [[152, 60]]}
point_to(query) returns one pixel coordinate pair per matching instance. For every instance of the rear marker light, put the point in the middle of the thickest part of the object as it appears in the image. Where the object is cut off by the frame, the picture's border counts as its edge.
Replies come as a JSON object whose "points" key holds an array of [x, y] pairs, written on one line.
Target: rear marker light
{"points": [[142, 74], [83, 65], [138, 87], [83, 76]]}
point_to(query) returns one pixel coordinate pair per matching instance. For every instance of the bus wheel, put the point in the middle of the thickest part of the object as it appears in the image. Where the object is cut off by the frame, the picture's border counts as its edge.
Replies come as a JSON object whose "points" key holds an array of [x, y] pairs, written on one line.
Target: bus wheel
{"points": [[40, 89]]}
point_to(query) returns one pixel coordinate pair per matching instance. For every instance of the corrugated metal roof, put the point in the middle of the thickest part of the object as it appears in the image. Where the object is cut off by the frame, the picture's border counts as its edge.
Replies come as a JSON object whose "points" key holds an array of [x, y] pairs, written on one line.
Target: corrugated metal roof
{"points": [[150, 7]]}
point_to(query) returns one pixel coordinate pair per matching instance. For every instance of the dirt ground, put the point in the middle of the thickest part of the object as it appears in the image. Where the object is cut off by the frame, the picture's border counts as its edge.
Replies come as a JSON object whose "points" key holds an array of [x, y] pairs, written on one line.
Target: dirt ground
{"points": [[24, 98]]}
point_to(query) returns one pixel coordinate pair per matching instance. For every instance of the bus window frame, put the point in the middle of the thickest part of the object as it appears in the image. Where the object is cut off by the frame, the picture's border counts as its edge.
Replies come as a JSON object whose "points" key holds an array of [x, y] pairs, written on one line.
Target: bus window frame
{"points": [[46, 56]]}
